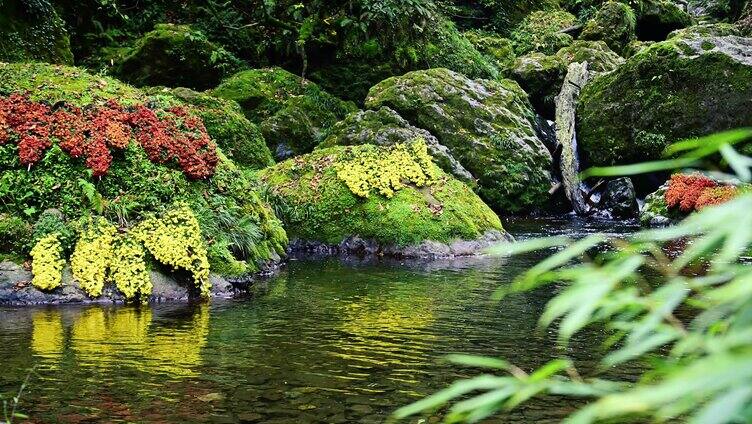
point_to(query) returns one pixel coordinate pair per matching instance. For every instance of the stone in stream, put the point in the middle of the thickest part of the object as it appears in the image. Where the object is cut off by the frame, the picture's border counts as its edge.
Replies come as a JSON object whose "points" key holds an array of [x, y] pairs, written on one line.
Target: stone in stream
{"points": [[619, 199], [488, 126], [566, 105]]}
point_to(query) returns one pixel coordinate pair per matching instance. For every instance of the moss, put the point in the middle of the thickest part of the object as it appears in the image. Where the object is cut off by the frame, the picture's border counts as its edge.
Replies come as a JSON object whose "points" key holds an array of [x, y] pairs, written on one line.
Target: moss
{"points": [[597, 54], [614, 23], [499, 50], [540, 32], [317, 205], [446, 47], [499, 16], [669, 91], [14, 234], [706, 30], [240, 139], [488, 126], [292, 113], [31, 30], [175, 56]]}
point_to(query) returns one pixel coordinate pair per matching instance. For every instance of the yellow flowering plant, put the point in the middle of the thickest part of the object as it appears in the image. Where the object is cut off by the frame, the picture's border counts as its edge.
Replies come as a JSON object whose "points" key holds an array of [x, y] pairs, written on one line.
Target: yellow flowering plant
{"points": [[48, 262], [92, 255], [388, 172], [128, 268]]}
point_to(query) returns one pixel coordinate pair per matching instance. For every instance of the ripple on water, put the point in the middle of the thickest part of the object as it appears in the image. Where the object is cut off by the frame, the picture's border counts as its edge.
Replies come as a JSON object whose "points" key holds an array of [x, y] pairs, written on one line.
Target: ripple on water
{"points": [[326, 342]]}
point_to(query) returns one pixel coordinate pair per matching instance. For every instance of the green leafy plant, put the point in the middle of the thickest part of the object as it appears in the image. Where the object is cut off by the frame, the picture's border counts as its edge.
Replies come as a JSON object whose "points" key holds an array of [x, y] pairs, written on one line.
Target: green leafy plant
{"points": [[689, 305]]}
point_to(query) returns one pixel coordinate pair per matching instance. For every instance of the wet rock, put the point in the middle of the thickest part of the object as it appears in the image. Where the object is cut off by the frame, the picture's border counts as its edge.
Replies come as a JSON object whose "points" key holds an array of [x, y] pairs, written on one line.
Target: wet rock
{"points": [[16, 289], [384, 127], [619, 199], [488, 126]]}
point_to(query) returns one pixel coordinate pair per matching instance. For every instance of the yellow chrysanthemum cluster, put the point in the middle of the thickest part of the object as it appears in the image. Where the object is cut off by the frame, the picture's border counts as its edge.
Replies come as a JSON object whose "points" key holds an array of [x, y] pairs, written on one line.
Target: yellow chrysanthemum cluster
{"points": [[92, 256], [388, 170], [175, 240], [128, 268], [48, 263]]}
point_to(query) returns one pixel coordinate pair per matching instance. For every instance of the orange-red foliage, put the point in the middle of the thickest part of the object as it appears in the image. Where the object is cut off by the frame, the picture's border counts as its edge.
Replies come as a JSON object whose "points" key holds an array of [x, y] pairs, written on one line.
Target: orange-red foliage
{"points": [[716, 196], [695, 191], [93, 133]]}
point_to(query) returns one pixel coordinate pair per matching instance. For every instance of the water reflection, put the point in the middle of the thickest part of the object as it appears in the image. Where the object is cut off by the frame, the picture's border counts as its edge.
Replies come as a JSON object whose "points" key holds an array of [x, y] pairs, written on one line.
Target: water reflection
{"points": [[115, 337]]}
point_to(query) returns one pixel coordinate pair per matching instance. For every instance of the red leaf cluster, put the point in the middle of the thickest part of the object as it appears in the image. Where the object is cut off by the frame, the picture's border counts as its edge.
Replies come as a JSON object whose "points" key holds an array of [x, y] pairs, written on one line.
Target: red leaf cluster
{"points": [[694, 191], [171, 135]]}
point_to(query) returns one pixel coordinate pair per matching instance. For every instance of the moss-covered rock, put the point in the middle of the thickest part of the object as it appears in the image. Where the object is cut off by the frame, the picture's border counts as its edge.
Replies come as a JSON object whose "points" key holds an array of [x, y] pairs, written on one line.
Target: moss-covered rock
{"points": [[597, 54], [636, 46], [706, 30], [614, 23], [541, 32], [488, 126], [234, 219], [657, 18], [31, 30], [392, 196], [293, 113], [672, 90], [175, 56], [239, 138], [542, 75], [384, 127], [499, 50]]}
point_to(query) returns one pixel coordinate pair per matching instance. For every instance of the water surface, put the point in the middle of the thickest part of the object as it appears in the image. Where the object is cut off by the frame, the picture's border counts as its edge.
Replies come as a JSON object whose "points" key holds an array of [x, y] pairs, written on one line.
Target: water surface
{"points": [[326, 341]]}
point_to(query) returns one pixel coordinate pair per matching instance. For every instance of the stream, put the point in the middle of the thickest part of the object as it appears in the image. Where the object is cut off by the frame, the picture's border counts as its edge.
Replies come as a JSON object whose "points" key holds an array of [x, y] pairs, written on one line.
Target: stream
{"points": [[329, 341]]}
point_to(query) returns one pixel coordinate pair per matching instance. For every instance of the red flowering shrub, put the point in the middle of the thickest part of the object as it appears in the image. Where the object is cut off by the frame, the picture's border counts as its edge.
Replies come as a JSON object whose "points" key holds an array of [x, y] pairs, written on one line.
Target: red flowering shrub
{"points": [[716, 196], [694, 192], [171, 135]]}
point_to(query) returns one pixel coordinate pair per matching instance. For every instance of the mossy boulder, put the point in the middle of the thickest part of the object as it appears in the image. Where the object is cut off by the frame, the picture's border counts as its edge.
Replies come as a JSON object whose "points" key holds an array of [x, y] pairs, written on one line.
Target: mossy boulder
{"points": [[240, 139], [670, 91], [541, 32], [293, 113], [542, 75], [384, 127], [614, 23], [175, 56], [706, 30], [489, 126], [31, 30], [497, 49], [497, 16], [226, 204], [390, 198], [657, 18]]}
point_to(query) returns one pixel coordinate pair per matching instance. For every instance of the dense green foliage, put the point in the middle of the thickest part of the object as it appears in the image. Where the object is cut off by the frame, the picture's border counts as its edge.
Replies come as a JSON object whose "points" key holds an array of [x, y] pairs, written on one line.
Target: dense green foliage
{"points": [[31, 30]]}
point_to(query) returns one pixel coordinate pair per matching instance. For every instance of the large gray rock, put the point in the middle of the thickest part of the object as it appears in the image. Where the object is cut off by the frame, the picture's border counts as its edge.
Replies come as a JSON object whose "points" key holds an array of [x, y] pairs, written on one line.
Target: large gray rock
{"points": [[384, 127], [489, 126]]}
